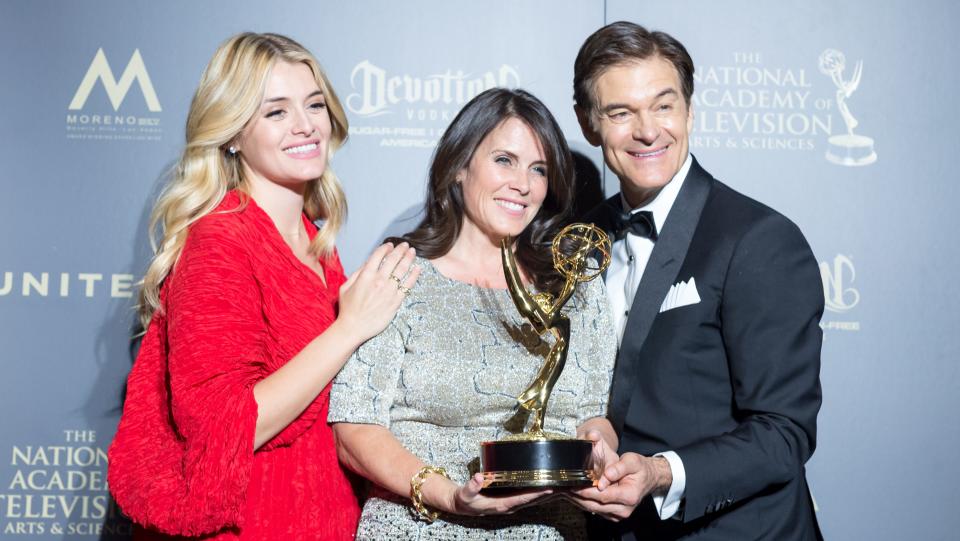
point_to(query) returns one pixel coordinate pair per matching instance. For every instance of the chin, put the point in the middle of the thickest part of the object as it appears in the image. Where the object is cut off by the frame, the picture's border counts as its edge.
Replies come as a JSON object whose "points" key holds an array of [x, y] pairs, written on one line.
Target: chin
{"points": [[307, 176], [517, 231], [650, 182], [502, 233]]}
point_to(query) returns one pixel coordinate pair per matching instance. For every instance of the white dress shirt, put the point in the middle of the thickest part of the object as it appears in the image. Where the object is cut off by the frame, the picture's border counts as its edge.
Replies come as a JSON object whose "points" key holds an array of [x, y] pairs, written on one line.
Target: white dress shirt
{"points": [[628, 260]]}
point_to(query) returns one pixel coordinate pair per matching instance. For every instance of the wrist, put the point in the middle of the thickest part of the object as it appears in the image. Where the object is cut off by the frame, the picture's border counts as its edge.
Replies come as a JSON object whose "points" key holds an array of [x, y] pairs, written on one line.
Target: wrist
{"points": [[426, 492], [346, 333], [663, 474], [439, 493]]}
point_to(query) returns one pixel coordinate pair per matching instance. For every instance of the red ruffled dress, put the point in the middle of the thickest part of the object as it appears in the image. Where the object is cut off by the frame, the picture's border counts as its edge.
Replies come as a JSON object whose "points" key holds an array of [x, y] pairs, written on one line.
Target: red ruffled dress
{"points": [[236, 307]]}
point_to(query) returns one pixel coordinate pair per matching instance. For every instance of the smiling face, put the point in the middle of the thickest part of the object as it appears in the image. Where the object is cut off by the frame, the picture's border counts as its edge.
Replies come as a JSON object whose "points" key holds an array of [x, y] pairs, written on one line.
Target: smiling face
{"points": [[286, 141], [642, 123], [505, 182]]}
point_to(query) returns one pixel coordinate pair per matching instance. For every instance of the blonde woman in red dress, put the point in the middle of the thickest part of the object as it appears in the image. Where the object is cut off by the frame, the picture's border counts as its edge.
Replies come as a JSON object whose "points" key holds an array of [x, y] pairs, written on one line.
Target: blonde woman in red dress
{"points": [[248, 313]]}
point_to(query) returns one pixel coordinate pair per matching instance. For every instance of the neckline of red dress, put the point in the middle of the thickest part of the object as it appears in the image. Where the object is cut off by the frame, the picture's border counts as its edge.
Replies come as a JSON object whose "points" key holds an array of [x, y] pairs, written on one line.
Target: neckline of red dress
{"points": [[267, 226]]}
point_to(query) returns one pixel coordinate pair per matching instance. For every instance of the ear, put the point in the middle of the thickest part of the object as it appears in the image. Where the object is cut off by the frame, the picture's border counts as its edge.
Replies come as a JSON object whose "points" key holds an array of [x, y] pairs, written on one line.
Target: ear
{"points": [[235, 143], [586, 126], [690, 118]]}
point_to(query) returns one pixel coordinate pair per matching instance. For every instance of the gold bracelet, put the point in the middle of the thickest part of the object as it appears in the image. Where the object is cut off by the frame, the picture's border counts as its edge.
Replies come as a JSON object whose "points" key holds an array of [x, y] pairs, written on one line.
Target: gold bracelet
{"points": [[416, 497]]}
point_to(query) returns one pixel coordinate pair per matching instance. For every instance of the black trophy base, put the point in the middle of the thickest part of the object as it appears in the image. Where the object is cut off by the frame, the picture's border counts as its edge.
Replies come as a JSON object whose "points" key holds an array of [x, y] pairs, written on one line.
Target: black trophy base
{"points": [[516, 464]]}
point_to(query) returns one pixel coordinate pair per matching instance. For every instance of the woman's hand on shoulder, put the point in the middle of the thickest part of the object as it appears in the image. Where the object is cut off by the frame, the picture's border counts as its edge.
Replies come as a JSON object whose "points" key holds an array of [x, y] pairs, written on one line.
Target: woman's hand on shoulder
{"points": [[372, 295]]}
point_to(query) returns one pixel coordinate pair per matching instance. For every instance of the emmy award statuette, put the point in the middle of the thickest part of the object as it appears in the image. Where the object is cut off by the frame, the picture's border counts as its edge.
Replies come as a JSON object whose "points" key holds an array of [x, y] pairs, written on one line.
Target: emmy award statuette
{"points": [[536, 458], [849, 148]]}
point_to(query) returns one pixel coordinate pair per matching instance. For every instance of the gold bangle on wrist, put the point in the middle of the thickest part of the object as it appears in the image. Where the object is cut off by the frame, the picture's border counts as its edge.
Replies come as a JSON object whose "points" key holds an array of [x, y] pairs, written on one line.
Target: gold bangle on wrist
{"points": [[416, 496]]}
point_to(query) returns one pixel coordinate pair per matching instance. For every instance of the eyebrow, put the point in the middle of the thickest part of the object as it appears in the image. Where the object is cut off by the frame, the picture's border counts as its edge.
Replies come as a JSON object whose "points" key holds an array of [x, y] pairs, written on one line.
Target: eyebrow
{"points": [[662, 93], [666, 92], [284, 98], [503, 151]]}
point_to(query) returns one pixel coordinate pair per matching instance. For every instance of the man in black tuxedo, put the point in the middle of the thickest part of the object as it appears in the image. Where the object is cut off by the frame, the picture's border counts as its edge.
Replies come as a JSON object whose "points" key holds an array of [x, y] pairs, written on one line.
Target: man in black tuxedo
{"points": [[718, 300]]}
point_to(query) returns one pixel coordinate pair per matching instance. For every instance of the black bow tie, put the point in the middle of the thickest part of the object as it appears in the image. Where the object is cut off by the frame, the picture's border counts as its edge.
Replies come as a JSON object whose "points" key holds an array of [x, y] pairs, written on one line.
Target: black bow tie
{"points": [[638, 223]]}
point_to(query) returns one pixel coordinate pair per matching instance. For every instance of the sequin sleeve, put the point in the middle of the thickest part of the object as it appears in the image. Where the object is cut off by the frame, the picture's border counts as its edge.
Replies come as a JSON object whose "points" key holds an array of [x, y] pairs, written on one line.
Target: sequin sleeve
{"points": [[600, 352], [364, 390]]}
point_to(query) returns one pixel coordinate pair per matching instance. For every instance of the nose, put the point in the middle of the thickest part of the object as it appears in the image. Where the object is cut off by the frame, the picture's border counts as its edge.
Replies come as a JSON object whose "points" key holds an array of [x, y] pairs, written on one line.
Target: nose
{"points": [[301, 124], [520, 181], [645, 128]]}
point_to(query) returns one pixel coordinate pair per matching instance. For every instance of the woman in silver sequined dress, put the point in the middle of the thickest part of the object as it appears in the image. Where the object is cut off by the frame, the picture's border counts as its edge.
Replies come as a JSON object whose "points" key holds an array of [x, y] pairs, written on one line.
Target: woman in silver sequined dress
{"points": [[444, 376]]}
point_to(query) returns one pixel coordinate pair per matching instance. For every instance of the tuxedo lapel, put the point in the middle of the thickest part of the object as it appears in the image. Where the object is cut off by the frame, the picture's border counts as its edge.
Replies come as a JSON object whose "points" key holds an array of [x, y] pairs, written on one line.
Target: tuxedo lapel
{"points": [[661, 270]]}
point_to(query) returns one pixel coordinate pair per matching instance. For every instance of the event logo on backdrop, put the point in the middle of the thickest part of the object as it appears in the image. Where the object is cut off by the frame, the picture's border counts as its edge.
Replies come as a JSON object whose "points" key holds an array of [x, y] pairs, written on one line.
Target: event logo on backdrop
{"points": [[404, 110], [65, 284], [840, 297], [753, 104], [59, 489], [848, 148], [127, 121]]}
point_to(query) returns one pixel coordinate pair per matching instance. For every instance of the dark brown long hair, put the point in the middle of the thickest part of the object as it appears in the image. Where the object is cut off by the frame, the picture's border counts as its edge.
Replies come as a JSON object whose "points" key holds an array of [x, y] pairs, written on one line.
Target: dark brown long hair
{"points": [[444, 209]]}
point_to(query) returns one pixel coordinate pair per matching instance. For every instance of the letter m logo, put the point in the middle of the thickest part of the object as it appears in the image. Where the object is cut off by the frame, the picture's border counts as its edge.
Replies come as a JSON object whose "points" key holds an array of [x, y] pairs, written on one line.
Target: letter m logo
{"points": [[116, 90]]}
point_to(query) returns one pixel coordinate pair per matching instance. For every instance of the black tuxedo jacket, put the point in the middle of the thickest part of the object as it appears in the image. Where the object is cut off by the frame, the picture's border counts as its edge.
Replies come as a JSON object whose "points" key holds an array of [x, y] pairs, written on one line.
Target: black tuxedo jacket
{"points": [[732, 383]]}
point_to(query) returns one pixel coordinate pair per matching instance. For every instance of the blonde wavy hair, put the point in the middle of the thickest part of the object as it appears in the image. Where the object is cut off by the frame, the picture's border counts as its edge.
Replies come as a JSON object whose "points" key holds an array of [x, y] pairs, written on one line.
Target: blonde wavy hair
{"points": [[228, 96]]}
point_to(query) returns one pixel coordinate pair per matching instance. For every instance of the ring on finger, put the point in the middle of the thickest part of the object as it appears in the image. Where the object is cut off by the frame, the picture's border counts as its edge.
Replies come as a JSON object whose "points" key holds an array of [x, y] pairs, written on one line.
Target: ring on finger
{"points": [[403, 289], [395, 279]]}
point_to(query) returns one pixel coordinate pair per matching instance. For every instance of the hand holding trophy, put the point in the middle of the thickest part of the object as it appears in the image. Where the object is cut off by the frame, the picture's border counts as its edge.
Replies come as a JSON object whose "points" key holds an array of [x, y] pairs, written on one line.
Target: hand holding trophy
{"points": [[537, 458]]}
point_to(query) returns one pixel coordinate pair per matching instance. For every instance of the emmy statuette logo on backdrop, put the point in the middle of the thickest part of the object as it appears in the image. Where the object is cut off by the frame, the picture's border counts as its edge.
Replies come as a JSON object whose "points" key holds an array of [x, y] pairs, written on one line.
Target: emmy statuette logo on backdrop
{"points": [[849, 148]]}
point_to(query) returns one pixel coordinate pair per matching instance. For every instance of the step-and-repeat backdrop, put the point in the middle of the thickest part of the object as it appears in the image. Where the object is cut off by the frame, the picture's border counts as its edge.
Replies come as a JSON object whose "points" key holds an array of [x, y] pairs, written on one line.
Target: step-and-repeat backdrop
{"points": [[841, 115]]}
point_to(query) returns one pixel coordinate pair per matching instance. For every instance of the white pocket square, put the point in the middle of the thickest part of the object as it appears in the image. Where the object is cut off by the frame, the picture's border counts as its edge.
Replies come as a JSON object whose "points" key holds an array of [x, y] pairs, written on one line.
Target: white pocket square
{"points": [[681, 294]]}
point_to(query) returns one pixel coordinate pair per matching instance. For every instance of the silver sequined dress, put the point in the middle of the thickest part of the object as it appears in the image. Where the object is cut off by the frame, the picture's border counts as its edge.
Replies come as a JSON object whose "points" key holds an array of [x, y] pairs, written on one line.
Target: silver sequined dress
{"points": [[444, 377]]}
